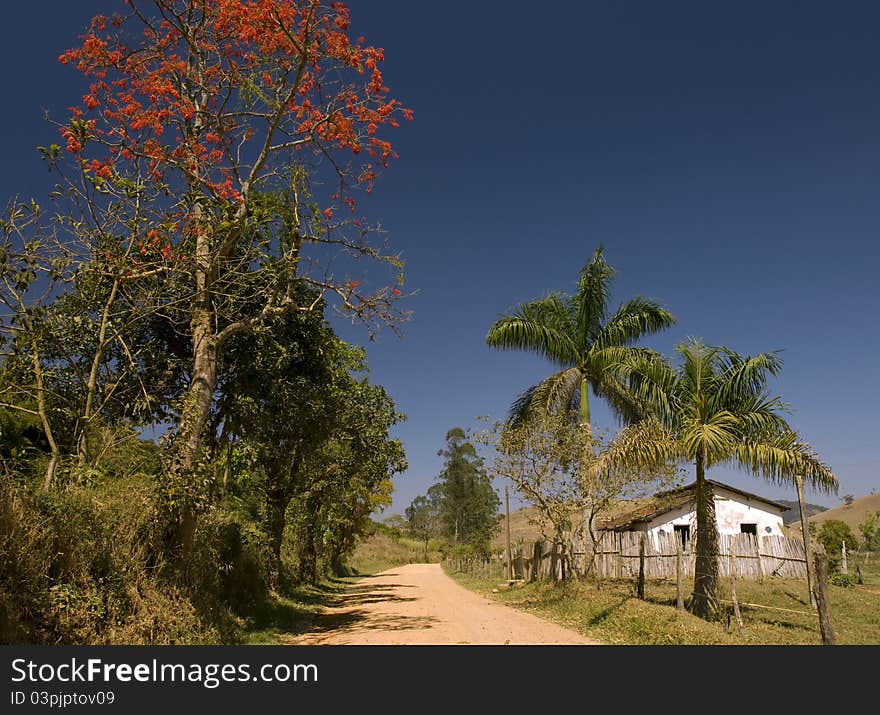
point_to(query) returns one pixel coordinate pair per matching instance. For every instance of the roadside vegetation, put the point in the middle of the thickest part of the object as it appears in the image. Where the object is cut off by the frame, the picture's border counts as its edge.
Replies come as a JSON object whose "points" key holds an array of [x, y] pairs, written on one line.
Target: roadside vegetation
{"points": [[184, 440], [613, 614]]}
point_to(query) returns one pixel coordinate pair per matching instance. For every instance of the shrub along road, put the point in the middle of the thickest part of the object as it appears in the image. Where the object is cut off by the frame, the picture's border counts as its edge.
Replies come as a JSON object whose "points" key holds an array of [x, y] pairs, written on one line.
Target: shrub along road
{"points": [[418, 604]]}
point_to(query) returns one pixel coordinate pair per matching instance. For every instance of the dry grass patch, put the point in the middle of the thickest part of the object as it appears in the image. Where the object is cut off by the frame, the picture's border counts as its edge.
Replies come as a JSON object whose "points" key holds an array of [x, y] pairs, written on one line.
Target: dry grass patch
{"points": [[613, 614]]}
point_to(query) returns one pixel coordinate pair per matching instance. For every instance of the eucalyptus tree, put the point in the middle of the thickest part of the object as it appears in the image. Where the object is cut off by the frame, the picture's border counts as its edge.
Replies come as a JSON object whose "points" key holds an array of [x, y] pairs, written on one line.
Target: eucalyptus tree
{"points": [[423, 518], [468, 503], [712, 409], [577, 334]]}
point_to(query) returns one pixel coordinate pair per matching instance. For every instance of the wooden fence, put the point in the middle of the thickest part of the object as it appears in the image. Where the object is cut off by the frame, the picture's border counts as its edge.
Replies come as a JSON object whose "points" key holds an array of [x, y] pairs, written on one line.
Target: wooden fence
{"points": [[617, 556]]}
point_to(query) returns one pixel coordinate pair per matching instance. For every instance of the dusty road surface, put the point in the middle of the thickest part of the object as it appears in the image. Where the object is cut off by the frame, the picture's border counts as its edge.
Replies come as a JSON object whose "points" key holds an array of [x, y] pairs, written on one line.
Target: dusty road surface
{"points": [[418, 604]]}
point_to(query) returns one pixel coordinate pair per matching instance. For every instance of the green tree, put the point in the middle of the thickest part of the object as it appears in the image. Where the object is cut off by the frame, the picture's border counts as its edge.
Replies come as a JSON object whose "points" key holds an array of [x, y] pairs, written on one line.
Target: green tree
{"points": [[576, 333], [868, 528], [833, 534], [547, 461], [237, 170], [348, 478], [712, 409], [282, 391], [423, 519], [468, 503]]}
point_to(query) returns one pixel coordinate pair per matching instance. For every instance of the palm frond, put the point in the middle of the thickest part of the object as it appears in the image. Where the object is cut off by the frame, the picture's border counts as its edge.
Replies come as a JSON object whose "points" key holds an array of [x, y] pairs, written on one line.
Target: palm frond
{"points": [[701, 366], [747, 376], [646, 446], [760, 417], [782, 459], [624, 403], [634, 319], [542, 326], [714, 435], [651, 382], [554, 395], [594, 287]]}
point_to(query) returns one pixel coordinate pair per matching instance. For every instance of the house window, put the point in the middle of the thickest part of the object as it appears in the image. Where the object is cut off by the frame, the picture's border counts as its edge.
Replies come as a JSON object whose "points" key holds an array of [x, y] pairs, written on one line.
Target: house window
{"points": [[749, 529], [683, 532]]}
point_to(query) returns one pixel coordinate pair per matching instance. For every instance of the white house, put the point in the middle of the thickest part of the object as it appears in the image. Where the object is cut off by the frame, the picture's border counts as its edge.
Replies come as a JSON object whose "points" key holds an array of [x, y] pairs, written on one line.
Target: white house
{"points": [[736, 512]]}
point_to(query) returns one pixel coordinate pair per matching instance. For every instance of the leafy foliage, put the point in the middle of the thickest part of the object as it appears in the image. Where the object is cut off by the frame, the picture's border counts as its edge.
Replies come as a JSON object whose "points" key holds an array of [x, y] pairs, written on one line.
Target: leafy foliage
{"points": [[178, 280], [576, 333], [833, 534], [461, 506]]}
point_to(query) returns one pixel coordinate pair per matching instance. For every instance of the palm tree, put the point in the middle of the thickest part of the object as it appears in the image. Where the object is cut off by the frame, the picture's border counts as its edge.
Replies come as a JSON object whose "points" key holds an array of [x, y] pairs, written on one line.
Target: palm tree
{"points": [[712, 409], [576, 334]]}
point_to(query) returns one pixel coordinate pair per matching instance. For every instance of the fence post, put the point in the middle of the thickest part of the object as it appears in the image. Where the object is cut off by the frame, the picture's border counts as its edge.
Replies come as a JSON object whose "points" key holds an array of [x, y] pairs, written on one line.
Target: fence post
{"points": [[640, 589], [843, 567], [731, 559], [826, 629], [680, 593], [758, 556]]}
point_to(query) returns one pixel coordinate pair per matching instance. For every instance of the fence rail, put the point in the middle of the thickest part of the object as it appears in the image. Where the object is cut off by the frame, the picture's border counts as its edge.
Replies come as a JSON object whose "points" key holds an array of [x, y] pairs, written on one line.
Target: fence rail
{"points": [[617, 556]]}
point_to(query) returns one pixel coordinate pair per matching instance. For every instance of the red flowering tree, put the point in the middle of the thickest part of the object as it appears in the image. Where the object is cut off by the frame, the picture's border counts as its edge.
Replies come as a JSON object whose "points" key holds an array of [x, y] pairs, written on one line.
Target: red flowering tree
{"points": [[248, 127]]}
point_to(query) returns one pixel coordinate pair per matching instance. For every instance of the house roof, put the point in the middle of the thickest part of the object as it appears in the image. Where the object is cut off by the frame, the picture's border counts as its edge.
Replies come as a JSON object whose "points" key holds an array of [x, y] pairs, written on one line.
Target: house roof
{"points": [[663, 502]]}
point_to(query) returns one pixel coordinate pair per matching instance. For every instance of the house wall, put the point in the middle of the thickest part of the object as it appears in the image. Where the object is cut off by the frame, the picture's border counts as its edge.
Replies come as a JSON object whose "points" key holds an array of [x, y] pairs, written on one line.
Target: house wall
{"points": [[731, 510]]}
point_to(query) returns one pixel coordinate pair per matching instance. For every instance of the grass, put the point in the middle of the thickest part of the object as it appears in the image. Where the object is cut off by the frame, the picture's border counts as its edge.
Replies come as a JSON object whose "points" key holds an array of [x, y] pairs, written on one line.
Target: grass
{"points": [[612, 613], [381, 551], [291, 612]]}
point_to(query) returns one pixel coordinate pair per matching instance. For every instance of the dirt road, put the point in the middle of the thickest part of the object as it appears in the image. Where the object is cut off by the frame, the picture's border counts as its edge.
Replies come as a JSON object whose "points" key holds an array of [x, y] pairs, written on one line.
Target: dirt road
{"points": [[418, 604]]}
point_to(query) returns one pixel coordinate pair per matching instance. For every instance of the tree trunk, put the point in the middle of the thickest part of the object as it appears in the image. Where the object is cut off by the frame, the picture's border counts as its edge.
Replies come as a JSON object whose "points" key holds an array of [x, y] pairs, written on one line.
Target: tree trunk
{"points": [[704, 602], [197, 403], [276, 506], [640, 584], [44, 419], [585, 402], [808, 553], [308, 556], [82, 446], [308, 550], [826, 629]]}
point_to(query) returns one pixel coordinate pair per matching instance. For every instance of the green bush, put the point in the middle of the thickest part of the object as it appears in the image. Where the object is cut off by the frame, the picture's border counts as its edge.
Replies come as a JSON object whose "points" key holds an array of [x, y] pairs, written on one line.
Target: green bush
{"points": [[80, 567], [840, 579]]}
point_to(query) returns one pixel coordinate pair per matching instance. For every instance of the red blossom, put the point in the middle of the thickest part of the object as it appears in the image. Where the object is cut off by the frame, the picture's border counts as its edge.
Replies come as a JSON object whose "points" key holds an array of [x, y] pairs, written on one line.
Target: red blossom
{"points": [[151, 108]]}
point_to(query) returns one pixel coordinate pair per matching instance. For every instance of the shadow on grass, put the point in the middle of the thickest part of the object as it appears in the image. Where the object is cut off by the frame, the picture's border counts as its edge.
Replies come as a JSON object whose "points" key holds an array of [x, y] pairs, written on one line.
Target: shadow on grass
{"points": [[796, 598], [291, 610], [597, 618]]}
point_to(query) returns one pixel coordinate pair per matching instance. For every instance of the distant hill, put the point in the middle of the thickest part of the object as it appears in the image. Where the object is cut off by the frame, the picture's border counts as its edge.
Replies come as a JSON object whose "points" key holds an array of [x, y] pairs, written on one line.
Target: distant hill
{"points": [[793, 514], [851, 515], [523, 526]]}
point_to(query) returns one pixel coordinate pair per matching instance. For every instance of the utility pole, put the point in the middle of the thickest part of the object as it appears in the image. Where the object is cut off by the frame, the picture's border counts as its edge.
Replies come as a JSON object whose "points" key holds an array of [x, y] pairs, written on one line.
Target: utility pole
{"points": [[509, 555]]}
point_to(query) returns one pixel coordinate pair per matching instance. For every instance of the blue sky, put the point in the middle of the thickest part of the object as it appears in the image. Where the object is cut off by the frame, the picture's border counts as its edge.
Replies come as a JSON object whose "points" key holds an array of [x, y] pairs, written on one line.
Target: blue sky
{"points": [[726, 155]]}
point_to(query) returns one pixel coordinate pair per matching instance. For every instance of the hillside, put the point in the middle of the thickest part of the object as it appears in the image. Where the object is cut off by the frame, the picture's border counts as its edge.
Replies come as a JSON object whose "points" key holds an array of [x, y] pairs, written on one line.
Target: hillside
{"points": [[851, 514], [521, 528], [793, 515]]}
